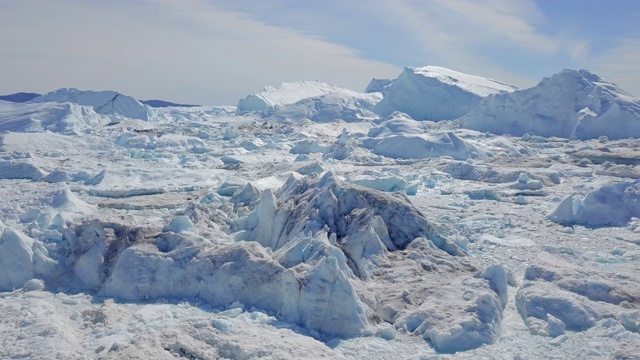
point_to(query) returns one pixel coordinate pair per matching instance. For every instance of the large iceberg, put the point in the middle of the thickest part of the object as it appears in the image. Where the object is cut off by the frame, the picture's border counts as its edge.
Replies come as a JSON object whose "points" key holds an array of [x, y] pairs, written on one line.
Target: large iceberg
{"points": [[287, 93], [103, 102], [435, 93], [571, 104], [60, 118]]}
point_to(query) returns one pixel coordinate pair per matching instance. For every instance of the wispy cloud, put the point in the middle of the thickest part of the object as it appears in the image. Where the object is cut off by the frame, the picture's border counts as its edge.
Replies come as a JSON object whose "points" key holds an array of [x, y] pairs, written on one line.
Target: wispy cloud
{"points": [[188, 51], [621, 65], [204, 51]]}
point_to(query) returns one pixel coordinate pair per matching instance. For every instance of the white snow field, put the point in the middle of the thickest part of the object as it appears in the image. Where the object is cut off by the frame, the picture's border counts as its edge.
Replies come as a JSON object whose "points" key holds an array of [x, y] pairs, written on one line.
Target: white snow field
{"points": [[304, 225]]}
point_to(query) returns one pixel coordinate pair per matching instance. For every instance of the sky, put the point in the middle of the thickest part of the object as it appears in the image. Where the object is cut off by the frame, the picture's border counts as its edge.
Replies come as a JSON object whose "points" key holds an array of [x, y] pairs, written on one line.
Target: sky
{"points": [[215, 52]]}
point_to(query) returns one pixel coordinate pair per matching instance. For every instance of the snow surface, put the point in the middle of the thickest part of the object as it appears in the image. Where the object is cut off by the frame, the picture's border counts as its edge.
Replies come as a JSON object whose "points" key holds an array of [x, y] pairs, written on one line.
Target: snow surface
{"points": [[435, 93], [61, 118], [202, 234], [572, 104]]}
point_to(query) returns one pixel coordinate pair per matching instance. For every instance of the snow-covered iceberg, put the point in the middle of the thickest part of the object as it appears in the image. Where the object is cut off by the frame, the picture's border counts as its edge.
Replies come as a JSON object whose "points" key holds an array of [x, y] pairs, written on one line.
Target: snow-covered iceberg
{"points": [[421, 146], [346, 105], [103, 102], [571, 104], [287, 93], [60, 118], [435, 93]]}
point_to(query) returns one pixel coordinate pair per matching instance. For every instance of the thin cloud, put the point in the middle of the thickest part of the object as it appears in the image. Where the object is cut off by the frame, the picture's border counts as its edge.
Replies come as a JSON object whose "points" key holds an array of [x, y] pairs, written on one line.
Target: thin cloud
{"points": [[189, 51], [620, 65]]}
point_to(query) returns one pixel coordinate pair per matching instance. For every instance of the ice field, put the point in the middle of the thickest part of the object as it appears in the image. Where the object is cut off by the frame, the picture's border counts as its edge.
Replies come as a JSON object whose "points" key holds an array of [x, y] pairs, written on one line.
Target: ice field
{"points": [[438, 215]]}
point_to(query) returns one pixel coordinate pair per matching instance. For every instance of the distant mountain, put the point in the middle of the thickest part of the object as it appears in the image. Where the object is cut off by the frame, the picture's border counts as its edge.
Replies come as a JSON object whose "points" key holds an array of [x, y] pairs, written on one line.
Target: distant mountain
{"points": [[434, 93], [20, 97], [162, 104], [103, 102], [572, 104]]}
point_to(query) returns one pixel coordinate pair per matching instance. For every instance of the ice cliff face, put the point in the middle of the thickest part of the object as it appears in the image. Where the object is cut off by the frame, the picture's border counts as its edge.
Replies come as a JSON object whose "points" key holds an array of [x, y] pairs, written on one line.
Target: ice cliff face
{"points": [[435, 93], [571, 104], [103, 102]]}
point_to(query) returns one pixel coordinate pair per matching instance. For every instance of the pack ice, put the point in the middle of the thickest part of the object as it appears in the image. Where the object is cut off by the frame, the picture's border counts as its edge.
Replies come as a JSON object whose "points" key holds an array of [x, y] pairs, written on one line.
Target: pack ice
{"points": [[313, 221]]}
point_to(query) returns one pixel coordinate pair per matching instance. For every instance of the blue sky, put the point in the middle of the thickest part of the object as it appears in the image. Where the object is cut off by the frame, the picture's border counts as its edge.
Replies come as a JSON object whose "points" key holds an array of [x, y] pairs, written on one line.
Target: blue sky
{"points": [[214, 52]]}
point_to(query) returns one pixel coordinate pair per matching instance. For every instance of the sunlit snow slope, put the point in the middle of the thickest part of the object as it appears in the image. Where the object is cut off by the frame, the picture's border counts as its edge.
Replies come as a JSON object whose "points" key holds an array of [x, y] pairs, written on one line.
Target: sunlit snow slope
{"points": [[436, 93]]}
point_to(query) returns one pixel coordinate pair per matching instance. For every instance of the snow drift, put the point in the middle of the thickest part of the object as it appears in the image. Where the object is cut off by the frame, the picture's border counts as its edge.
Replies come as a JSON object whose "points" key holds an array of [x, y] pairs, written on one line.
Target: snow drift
{"points": [[435, 93], [103, 102], [571, 104]]}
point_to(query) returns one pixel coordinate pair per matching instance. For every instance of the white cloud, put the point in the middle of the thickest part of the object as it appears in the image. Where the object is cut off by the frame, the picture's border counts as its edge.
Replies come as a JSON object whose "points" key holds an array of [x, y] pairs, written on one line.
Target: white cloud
{"points": [[620, 65], [507, 21], [183, 51]]}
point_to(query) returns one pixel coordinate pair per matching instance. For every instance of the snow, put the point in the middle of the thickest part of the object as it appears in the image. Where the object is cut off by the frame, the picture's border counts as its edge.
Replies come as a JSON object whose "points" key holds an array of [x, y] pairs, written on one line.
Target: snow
{"points": [[331, 232], [421, 146], [435, 93], [60, 118], [611, 205], [345, 105], [287, 93], [102, 102], [570, 104]]}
